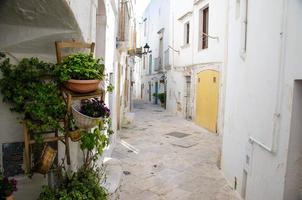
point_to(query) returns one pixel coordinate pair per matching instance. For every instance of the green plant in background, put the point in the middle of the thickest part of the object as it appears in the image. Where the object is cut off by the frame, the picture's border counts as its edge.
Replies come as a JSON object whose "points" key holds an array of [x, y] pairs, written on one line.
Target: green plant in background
{"points": [[110, 88], [81, 185], [162, 97], [81, 67]]}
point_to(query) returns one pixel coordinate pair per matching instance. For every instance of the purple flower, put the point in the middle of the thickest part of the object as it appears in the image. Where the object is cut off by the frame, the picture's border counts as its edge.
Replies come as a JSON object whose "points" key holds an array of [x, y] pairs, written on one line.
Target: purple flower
{"points": [[94, 108]]}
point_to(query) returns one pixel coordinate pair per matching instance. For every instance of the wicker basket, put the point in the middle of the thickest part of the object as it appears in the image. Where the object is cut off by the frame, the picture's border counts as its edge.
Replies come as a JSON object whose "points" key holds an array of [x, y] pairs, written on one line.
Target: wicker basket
{"points": [[75, 136], [83, 121], [47, 157]]}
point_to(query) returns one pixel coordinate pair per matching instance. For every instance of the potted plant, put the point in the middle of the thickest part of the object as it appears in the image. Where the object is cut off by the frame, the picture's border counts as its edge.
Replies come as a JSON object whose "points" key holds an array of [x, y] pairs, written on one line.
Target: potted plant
{"points": [[80, 72], [7, 187], [85, 183], [162, 98], [88, 113]]}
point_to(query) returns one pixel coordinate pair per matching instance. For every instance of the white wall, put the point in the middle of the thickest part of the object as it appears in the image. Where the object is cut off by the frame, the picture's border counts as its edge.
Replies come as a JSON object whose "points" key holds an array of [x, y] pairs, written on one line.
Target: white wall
{"points": [[259, 95]]}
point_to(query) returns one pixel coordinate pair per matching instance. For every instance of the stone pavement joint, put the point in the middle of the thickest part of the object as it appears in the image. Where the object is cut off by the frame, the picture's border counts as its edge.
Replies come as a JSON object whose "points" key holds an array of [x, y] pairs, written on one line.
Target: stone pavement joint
{"points": [[161, 167]]}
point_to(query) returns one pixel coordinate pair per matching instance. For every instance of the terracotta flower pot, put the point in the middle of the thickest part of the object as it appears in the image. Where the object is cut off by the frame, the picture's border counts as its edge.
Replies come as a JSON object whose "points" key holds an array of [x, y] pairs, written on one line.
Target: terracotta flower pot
{"points": [[82, 86]]}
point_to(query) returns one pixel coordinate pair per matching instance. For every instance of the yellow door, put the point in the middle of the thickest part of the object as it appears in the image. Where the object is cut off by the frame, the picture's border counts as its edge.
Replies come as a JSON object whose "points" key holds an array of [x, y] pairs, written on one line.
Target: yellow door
{"points": [[207, 94]]}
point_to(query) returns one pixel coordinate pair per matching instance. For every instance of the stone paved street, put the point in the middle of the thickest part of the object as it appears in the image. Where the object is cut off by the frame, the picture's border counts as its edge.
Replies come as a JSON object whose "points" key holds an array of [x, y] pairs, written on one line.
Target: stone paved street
{"points": [[169, 158]]}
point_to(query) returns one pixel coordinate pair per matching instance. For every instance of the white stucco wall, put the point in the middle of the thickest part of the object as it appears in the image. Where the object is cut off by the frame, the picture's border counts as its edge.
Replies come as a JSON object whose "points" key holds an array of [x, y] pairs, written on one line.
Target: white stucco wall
{"points": [[259, 96]]}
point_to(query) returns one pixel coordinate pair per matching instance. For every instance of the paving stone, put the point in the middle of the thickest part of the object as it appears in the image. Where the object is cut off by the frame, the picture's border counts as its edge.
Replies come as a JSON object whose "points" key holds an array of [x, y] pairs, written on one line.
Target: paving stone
{"points": [[177, 194], [169, 167]]}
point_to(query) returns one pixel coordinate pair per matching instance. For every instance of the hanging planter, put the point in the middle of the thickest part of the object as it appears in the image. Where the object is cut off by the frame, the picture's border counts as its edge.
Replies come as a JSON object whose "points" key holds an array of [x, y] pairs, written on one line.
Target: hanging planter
{"points": [[47, 158], [89, 113], [84, 121]]}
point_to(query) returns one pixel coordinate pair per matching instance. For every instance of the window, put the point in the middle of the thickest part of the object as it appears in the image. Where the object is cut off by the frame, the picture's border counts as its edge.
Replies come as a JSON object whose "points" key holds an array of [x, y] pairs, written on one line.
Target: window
{"points": [[244, 26], [160, 53], [150, 64], [237, 15], [187, 33], [204, 28]]}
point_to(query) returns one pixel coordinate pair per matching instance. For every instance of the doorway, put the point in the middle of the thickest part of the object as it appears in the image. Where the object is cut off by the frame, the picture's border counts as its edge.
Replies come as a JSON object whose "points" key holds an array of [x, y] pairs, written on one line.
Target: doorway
{"points": [[207, 95], [156, 93], [150, 91]]}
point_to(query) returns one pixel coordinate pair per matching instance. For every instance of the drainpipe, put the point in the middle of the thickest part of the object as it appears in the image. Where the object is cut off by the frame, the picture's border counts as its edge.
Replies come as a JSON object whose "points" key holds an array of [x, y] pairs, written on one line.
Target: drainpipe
{"points": [[280, 81], [224, 72]]}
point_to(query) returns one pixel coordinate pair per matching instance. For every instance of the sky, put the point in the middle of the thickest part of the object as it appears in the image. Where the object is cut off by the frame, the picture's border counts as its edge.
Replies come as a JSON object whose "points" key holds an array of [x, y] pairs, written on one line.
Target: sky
{"points": [[140, 7]]}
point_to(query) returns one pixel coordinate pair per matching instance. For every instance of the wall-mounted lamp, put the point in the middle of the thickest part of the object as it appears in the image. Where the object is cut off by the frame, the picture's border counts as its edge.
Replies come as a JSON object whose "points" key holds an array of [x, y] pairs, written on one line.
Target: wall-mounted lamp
{"points": [[146, 49], [140, 51]]}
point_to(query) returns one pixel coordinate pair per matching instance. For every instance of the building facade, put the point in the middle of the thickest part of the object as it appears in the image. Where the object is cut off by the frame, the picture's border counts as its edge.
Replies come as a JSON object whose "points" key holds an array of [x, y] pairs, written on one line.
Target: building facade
{"points": [[187, 38], [155, 33], [262, 152]]}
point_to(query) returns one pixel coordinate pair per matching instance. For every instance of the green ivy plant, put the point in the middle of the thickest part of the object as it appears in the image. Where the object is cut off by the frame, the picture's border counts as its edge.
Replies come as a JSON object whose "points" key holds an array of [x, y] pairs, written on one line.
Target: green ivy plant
{"points": [[45, 108], [81, 67], [27, 91], [19, 80]]}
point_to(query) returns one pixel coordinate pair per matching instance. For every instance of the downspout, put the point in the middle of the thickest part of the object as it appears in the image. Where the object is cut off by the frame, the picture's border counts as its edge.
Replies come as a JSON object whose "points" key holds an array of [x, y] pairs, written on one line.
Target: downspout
{"points": [[280, 80], [225, 67]]}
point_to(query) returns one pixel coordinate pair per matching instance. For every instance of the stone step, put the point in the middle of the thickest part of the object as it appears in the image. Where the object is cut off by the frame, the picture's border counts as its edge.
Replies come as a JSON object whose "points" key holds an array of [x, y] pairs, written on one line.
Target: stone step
{"points": [[113, 177]]}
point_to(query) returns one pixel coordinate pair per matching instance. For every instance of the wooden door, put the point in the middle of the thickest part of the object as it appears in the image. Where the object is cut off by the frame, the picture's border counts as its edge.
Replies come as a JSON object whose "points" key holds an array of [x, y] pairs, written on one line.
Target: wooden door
{"points": [[207, 95]]}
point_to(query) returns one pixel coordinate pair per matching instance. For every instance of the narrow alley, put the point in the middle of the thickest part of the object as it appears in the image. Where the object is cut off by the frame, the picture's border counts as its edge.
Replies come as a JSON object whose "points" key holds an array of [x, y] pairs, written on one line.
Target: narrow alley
{"points": [[166, 157]]}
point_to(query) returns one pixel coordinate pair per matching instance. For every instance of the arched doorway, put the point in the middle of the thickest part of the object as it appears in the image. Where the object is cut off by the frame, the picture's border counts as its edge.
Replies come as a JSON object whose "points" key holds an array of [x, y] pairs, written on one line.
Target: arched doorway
{"points": [[207, 96]]}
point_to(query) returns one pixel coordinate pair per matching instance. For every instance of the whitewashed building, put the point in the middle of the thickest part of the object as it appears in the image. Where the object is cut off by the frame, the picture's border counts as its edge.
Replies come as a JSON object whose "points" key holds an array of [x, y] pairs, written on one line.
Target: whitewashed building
{"points": [[30, 29], [190, 55], [195, 82], [262, 149], [155, 33]]}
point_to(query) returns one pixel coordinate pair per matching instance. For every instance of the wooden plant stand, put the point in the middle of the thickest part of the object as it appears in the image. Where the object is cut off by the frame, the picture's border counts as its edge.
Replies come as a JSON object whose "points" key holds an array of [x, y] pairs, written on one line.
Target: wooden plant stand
{"points": [[52, 136]]}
